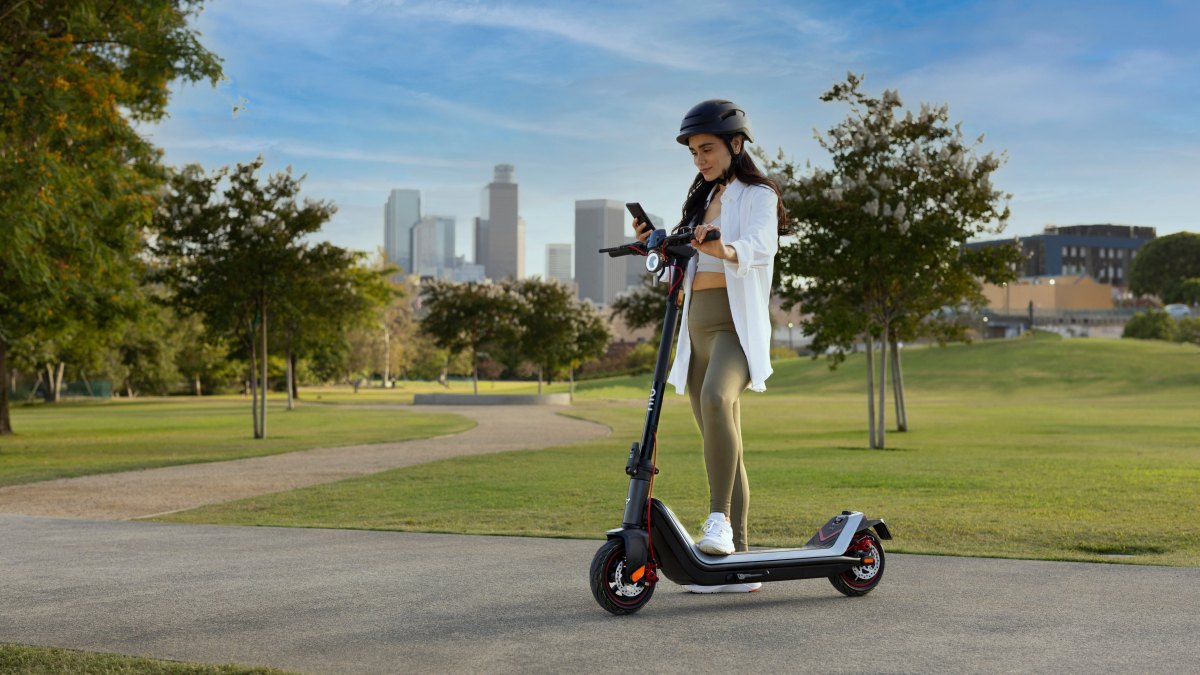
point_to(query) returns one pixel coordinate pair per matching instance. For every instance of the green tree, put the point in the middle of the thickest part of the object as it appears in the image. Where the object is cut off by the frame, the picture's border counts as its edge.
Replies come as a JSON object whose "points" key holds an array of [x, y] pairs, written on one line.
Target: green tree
{"points": [[230, 247], [589, 339], [1189, 292], [644, 306], [467, 317], [76, 179], [330, 291], [202, 356], [547, 324], [1164, 265], [881, 251]]}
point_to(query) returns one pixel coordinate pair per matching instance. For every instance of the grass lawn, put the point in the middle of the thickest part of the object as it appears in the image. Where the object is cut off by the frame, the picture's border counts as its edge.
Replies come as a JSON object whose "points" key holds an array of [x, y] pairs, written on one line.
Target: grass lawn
{"points": [[24, 659], [74, 439], [1028, 448]]}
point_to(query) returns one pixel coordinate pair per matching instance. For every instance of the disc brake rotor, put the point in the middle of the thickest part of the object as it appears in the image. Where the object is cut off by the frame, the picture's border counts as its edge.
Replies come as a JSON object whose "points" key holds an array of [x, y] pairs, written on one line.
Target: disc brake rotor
{"points": [[620, 588], [867, 572]]}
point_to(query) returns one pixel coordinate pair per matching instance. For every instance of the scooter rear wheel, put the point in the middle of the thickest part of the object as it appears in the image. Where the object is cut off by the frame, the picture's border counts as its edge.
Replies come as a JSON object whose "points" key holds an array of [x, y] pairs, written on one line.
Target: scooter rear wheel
{"points": [[609, 585], [861, 579]]}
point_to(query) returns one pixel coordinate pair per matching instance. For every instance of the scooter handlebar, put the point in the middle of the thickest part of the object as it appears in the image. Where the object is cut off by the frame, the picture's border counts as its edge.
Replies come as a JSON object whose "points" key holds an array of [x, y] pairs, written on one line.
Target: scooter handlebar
{"points": [[675, 244]]}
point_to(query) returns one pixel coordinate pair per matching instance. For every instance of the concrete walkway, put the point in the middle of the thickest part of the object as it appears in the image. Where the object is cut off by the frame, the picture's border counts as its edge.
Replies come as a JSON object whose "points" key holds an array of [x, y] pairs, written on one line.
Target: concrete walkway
{"points": [[139, 494], [339, 601]]}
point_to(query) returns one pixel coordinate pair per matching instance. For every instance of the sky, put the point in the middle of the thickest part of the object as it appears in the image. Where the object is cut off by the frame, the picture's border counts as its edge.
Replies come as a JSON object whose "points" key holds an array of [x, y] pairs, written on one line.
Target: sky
{"points": [[1096, 105]]}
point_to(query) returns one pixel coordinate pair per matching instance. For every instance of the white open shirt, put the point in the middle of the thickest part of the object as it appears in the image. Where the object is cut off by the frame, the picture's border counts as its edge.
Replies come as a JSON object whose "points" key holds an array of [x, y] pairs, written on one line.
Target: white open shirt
{"points": [[748, 224]]}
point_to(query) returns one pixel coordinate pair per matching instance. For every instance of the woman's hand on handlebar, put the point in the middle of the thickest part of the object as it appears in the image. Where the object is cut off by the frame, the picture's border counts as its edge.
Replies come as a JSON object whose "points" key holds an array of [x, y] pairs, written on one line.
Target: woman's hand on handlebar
{"points": [[714, 247], [642, 230]]}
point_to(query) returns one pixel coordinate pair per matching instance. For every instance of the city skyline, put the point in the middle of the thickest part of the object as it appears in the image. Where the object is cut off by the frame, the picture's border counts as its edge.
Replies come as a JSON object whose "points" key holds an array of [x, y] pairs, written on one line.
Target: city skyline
{"points": [[1089, 102]]}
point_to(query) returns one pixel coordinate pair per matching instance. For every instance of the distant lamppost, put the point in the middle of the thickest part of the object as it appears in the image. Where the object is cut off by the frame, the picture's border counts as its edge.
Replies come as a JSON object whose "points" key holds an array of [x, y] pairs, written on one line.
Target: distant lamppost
{"points": [[790, 324]]}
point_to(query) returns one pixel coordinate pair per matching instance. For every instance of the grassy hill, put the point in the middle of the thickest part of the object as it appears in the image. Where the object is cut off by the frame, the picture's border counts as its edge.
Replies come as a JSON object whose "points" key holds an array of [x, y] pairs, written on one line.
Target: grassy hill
{"points": [[1035, 447]]}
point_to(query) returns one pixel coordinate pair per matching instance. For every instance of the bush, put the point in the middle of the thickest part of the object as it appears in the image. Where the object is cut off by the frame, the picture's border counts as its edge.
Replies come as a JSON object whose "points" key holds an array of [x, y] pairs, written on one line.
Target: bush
{"points": [[1154, 324], [1187, 329], [782, 354]]}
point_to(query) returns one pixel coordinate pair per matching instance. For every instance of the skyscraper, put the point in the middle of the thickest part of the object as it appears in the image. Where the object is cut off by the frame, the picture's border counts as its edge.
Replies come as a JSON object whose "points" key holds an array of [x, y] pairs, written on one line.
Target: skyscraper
{"points": [[433, 247], [599, 223], [499, 231], [558, 262], [402, 211]]}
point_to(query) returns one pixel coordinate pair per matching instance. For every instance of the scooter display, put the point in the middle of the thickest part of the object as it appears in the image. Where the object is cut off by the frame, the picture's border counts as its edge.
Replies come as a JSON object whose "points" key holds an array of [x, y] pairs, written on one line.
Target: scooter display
{"points": [[651, 542]]}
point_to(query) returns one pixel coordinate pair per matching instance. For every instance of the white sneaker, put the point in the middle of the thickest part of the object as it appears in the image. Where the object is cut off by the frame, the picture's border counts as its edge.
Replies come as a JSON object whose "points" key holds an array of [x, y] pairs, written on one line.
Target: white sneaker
{"points": [[718, 536], [726, 588]]}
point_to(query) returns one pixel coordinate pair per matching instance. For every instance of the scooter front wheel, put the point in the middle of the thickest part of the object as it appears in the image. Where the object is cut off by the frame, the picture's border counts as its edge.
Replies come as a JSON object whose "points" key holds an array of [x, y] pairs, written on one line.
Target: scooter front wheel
{"points": [[609, 585], [861, 579]]}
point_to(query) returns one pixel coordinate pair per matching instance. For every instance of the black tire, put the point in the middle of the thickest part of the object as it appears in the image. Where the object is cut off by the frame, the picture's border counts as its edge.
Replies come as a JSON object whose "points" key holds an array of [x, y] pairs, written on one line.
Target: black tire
{"points": [[861, 579], [607, 586]]}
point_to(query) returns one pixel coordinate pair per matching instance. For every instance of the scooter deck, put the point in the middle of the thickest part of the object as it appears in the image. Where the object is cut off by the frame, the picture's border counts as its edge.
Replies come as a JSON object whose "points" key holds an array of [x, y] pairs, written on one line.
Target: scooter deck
{"points": [[683, 563]]}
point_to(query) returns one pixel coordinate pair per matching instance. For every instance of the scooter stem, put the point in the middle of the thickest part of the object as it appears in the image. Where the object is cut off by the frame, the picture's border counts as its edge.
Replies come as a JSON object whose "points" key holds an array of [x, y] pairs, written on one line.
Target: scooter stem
{"points": [[641, 460]]}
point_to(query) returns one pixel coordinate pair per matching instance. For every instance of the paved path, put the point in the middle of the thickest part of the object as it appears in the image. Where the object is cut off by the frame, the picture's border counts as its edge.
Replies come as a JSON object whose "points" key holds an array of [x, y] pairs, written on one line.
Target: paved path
{"points": [[135, 494], [339, 601]]}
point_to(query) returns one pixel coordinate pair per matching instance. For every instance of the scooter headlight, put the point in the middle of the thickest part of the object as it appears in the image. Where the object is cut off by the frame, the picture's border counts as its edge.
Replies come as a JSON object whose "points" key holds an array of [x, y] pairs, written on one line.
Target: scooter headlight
{"points": [[654, 261]]}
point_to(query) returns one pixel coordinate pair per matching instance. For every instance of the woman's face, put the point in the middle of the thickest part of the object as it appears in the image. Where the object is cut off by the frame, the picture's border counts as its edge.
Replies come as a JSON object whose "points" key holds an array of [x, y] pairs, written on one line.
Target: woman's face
{"points": [[710, 155]]}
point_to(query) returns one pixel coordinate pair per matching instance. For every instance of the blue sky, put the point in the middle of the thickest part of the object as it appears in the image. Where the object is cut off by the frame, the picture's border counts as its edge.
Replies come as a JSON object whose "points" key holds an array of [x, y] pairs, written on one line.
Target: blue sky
{"points": [[1097, 104]]}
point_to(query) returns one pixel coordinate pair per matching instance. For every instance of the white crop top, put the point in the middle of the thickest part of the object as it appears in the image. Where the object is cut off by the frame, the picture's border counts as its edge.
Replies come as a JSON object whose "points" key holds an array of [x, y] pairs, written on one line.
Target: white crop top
{"points": [[706, 262]]}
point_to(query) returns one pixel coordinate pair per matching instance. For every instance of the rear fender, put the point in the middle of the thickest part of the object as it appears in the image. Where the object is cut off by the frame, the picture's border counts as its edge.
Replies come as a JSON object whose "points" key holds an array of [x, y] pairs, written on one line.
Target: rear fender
{"points": [[881, 527]]}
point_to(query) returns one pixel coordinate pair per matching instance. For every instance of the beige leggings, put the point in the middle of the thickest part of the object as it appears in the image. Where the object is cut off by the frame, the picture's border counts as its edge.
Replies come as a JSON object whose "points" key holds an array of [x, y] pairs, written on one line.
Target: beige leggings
{"points": [[717, 375]]}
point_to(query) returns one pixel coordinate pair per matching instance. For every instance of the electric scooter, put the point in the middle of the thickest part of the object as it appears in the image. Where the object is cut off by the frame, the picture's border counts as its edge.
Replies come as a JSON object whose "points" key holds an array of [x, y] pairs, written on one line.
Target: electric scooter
{"points": [[651, 541]]}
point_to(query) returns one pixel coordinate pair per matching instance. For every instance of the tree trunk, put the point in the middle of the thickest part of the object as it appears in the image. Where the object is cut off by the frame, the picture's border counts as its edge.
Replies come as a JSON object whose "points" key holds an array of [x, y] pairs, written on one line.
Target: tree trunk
{"points": [[883, 366], [295, 386], [898, 387], [5, 420], [290, 379], [539, 380], [475, 370], [572, 387], [51, 395], [387, 358], [83, 376], [871, 388], [36, 385], [254, 383], [197, 389], [263, 414]]}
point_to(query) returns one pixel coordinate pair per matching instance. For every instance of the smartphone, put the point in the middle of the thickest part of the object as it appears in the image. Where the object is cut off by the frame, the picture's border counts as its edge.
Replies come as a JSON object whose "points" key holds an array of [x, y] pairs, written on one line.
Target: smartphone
{"points": [[638, 213]]}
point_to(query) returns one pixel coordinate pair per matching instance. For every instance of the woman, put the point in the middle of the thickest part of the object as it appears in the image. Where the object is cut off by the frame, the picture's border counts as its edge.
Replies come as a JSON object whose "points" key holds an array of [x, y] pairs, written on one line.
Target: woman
{"points": [[725, 332]]}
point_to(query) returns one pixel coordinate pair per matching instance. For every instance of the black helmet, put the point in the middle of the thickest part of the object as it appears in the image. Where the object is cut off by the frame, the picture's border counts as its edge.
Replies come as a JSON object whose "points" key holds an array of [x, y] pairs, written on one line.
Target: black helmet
{"points": [[717, 116]]}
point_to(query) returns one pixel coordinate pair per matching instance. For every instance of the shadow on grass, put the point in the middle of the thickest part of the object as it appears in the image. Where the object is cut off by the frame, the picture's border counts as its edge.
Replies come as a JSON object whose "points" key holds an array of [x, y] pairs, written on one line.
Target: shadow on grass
{"points": [[863, 448]]}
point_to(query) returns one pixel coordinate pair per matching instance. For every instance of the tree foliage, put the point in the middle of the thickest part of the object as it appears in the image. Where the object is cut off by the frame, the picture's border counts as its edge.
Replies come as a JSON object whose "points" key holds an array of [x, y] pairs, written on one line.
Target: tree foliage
{"points": [[469, 317], [76, 179], [556, 328], [880, 252], [233, 249], [643, 306], [1164, 266]]}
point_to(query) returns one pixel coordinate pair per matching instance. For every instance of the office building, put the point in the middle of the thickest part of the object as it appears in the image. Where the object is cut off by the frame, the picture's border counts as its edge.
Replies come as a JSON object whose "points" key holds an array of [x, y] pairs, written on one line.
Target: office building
{"points": [[433, 247], [1103, 252], [400, 213], [499, 231], [558, 263], [600, 223]]}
